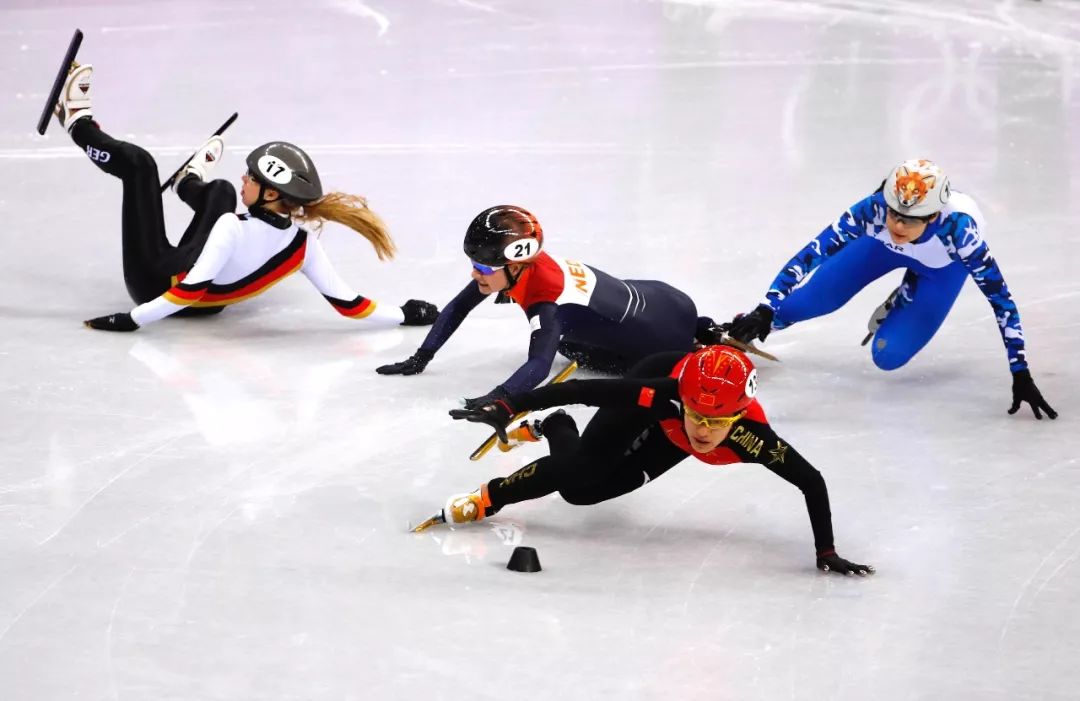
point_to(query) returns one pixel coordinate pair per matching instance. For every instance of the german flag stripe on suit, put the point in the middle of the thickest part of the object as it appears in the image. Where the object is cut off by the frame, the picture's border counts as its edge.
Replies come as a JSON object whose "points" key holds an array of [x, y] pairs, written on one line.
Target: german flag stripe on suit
{"points": [[205, 294], [357, 308]]}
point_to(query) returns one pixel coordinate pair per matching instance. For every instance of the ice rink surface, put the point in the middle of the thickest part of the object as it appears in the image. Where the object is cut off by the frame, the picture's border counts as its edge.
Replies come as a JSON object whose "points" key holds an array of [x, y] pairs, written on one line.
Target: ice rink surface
{"points": [[217, 509]]}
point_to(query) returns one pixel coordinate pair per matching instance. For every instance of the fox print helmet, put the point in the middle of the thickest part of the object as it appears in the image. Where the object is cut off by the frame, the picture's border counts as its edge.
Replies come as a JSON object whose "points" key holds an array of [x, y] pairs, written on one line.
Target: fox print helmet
{"points": [[917, 188]]}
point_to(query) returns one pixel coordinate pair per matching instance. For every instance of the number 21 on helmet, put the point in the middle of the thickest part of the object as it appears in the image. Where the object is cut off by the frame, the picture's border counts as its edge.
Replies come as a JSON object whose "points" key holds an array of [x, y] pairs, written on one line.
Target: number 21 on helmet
{"points": [[503, 234]]}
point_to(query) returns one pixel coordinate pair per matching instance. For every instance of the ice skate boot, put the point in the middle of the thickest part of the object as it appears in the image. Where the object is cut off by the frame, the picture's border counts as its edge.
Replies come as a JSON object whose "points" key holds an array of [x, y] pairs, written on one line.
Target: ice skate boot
{"points": [[460, 508], [74, 102], [879, 315], [202, 162], [527, 432]]}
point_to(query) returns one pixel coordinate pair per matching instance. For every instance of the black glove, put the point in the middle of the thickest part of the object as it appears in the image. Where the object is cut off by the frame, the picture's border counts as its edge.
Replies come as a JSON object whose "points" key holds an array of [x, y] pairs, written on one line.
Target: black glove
{"points": [[756, 324], [489, 398], [1024, 390], [497, 415], [711, 334], [413, 365], [419, 313], [114, 322], [829, 561]]}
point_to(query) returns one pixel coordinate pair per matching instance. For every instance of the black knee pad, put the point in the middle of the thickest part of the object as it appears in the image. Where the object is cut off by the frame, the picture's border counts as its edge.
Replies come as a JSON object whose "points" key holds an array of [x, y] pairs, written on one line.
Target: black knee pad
{"points": [[557, 420], [221, 188], [213, 197], [587, 492], [579, 497]]}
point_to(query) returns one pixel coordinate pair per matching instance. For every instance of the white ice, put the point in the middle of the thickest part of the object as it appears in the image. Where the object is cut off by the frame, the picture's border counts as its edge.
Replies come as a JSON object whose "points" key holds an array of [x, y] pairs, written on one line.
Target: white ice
{"points": [[217, 509]]}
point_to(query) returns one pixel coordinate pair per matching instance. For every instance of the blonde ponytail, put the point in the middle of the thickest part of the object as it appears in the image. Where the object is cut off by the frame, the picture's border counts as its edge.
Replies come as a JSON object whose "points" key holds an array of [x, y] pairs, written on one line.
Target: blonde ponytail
{"points": [[353, 212]]}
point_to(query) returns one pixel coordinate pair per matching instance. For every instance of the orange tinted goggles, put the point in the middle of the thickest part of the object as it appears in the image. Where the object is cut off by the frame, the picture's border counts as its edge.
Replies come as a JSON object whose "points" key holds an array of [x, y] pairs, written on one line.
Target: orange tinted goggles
{"points": [[711, 421]]}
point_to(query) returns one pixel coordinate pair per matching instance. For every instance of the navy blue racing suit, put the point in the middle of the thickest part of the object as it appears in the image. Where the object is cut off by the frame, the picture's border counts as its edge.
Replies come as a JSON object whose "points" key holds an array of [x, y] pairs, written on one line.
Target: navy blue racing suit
{"points": [[604, 323]]}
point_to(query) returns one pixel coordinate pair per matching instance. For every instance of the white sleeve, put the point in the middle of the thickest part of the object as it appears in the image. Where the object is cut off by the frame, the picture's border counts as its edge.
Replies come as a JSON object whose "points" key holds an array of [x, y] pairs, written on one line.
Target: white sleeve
{"points": [[320, 271], [219, 246]]}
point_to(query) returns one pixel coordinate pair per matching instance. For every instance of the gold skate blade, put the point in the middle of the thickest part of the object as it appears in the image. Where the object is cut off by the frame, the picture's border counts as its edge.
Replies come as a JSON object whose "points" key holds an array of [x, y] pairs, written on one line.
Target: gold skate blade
{"points": [[748, 348], [433, 521]]}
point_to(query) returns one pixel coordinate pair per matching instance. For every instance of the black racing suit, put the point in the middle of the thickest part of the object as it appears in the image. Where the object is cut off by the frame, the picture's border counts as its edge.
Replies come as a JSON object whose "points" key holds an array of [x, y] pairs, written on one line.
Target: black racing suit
{"points": [[624, 446], [150, 261]]}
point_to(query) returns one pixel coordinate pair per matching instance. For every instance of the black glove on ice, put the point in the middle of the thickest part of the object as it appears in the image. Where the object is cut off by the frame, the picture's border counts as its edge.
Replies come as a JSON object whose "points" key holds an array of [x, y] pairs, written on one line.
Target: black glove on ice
{"points": [[829, 561], [1024, 390], [114, 322], [419, 313], [413, 365]]}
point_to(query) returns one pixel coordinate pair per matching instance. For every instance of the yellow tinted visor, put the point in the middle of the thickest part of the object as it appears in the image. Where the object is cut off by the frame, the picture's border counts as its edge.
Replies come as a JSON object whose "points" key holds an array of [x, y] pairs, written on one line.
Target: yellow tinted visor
{"points": [[711, 421]]}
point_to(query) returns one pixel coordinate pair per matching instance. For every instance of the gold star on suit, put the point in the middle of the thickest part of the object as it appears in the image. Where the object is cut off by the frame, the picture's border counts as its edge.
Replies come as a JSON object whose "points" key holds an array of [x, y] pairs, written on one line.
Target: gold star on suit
{"points": [[778, 453]]}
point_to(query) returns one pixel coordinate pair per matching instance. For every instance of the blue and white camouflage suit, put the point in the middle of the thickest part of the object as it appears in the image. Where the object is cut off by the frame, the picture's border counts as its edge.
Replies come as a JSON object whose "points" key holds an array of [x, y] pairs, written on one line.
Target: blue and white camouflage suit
{"points": [[857, 249]]}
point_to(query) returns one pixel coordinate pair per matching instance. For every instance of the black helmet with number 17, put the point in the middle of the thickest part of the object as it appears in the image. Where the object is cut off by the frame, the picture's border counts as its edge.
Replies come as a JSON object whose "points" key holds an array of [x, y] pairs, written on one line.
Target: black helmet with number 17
{"points": [[503, 234], [286, 168]]}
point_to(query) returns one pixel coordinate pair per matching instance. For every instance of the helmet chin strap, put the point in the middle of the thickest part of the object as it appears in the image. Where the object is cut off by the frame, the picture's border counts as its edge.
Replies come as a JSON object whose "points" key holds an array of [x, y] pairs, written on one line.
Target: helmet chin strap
{"points": [[259, 210], [511, 279]]}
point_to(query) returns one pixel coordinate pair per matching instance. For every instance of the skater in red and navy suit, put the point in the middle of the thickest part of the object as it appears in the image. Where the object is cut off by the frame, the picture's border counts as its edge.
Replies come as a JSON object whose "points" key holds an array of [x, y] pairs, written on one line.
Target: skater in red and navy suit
{"points": [[671, 406], [574, 309]]}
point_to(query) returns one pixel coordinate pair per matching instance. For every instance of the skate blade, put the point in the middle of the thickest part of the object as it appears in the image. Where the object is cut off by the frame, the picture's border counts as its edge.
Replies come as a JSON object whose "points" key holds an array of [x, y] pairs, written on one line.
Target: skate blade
{"points": [[507, 447], [52, 100], [433, 521], [748, 348]]}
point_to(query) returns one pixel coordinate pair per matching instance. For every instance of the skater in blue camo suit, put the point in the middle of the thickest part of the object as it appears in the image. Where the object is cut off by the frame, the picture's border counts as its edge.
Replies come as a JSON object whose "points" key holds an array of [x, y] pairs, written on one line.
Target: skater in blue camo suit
{"points": [[913, 221]]}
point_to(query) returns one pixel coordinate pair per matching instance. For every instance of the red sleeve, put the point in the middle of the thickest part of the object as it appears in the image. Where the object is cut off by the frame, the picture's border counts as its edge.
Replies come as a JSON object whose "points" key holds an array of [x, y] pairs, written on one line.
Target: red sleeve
{"points": [[754, 412]]}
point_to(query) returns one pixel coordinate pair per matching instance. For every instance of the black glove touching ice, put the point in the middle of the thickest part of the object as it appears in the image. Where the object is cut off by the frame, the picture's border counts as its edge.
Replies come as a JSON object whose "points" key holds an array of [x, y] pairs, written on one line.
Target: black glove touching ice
{"points": [[413, 365], [829, 561], [419, 313], [112, 322], [1024, 390]]}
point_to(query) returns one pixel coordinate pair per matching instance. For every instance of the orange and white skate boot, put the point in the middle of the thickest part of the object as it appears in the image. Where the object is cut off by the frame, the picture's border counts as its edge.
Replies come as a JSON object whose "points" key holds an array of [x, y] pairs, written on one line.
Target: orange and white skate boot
{"points": [[460, 508], [527, 432], [465, 508]]}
